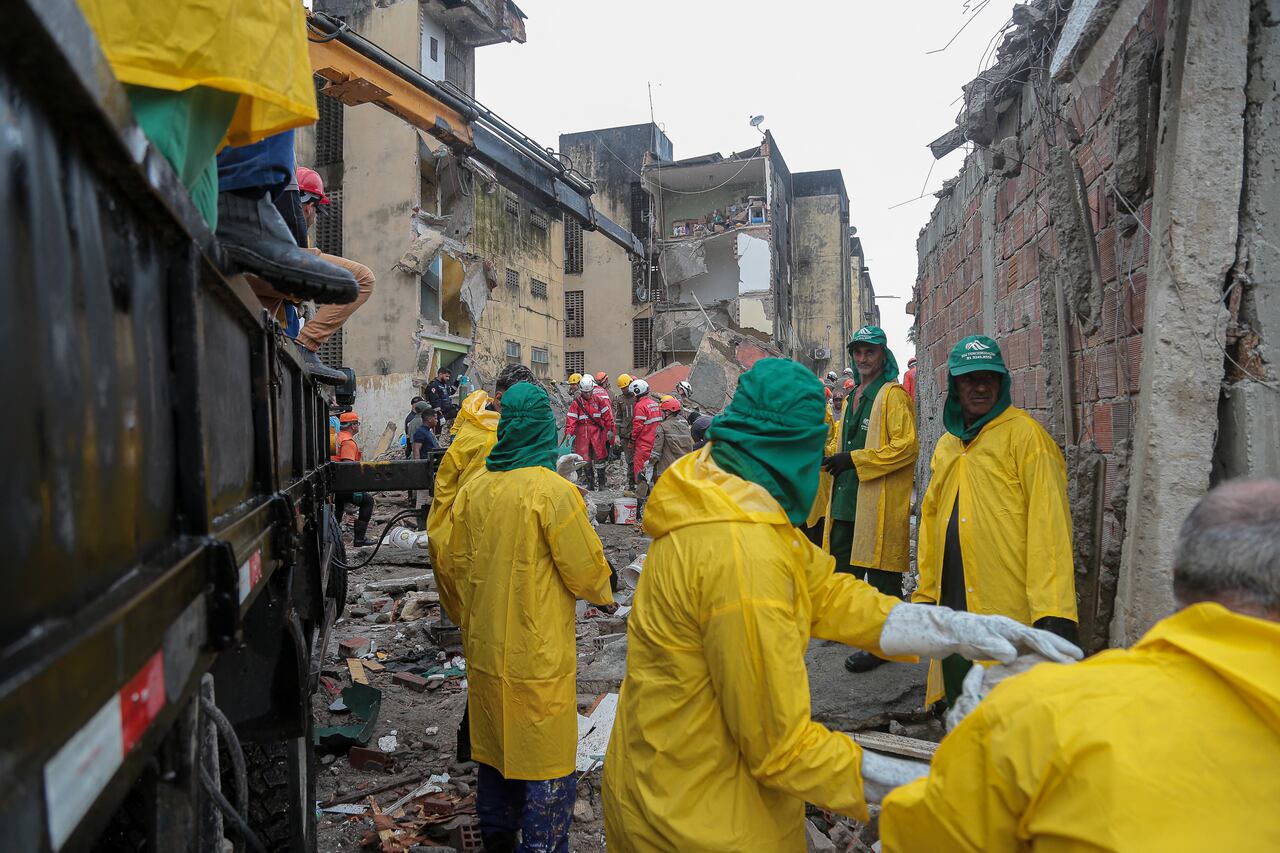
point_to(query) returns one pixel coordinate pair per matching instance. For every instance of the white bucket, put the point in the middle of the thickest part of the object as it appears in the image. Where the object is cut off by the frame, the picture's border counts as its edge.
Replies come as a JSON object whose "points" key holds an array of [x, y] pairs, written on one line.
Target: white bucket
{"points": [[631, 574], [402, 537], [624, 511]]}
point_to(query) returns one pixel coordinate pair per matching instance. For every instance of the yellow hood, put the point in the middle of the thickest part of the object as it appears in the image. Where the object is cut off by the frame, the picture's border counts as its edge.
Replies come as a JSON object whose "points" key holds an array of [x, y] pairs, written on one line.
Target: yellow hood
{"points": [[695, 490], [473, 411], [1241, 650]]}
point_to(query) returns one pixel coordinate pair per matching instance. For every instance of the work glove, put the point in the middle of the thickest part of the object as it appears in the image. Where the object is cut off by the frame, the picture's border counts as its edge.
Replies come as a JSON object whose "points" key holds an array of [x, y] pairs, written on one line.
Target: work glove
{"points": [[931, 631], [838, 464], [980, 680], [882, 773]]}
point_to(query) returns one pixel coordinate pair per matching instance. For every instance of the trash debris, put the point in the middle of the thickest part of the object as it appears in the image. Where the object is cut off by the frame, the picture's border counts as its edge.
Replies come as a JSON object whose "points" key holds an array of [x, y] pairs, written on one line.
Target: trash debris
{"points": [[418, 605], [346, 808], [338, 706], [409, 681], [364, 702], [815, 840], [432, 730], [388, 743], [631, 573], [395, 586], [354, 647], [357, 671], [362, 758], [593, 733]]}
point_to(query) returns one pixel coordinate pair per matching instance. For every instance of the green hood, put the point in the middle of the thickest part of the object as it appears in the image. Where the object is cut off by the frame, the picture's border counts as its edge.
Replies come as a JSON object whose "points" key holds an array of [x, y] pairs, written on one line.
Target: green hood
{"points": [[969, 355], [526, 431], [773, 432], [875, 335]]}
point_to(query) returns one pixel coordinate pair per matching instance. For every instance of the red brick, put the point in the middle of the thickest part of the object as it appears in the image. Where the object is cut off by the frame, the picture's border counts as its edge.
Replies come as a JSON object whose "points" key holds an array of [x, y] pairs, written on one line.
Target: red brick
{"points": [[1107, 254], [416, 683], [1030, 266], [1102, 427], [362, 758], [1034, 345], [1015, 350], [1135, 288], [1013, 275], [354, 647], [1088, 161], [1134, 346], [1019, 228], [1108, 372]]}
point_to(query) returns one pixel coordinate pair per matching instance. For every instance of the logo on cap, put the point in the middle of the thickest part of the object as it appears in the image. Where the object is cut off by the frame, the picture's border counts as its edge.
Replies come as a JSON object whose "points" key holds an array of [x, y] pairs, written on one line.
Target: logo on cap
{"points": [[865, 330], [976, 346]]}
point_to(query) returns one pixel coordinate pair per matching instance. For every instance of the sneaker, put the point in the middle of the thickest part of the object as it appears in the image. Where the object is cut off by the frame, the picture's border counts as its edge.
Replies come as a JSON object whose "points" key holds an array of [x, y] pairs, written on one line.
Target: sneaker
{"points": [[318, 369], [256, 238], [861, 661]]}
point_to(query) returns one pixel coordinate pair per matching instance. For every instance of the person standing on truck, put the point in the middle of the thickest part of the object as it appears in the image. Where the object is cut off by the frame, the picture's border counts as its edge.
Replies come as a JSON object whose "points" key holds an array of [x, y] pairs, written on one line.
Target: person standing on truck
{"points": [[349, 451], [521, 550], [440, 395]]}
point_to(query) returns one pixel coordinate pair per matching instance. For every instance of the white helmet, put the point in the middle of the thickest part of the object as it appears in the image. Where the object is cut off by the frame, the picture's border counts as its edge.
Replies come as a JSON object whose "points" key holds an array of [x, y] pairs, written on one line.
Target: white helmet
{"points": [[586, 383], [638, 387], [684, 389], [831, 376], [848, 371]]}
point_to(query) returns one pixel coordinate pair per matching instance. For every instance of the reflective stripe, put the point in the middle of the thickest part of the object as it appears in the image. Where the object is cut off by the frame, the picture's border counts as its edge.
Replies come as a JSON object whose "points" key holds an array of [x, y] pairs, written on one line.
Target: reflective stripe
{"points": [[653, 420]]}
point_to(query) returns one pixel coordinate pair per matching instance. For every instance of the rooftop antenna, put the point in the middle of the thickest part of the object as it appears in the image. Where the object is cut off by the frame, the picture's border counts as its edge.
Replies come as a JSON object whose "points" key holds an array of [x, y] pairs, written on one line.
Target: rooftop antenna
{"points": [[756, 121]]}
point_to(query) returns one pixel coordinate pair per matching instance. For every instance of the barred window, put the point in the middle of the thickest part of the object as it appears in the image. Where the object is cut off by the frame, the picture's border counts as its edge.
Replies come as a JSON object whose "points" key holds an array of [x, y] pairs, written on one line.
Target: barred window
{"points": [[572, 245], [538, 288], [330, 351], [328, 231], [639, 210], [538, 218], [512, 205], [641, 343], [513, 350], [513, 279], [575, 362], [328, 128], [574, 322]]}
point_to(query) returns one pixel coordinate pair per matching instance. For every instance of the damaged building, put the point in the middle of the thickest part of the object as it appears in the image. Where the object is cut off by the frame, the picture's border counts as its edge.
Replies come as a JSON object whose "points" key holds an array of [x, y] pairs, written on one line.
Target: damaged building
{"points": [[469, 264], [1110, 229]]}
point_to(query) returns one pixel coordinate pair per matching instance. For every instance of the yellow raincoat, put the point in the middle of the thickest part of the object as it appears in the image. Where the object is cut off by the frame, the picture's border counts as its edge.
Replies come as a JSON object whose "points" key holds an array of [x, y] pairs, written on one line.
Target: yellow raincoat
{"points": [[256, 48], [822, 502], [474, 431], [1015, 525], [521, 550], [1173, 745], [886, 474], [713, 748]]}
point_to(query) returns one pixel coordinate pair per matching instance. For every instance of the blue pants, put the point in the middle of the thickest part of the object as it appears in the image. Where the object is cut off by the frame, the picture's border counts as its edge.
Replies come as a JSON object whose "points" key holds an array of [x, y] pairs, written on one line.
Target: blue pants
{"points": [[540, 811], [266, 164]]}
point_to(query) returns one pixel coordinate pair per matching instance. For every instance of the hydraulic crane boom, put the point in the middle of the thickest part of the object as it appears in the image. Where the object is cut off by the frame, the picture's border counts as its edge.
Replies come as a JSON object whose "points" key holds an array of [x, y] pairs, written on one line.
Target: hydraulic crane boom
{"points": [[360, 72]]}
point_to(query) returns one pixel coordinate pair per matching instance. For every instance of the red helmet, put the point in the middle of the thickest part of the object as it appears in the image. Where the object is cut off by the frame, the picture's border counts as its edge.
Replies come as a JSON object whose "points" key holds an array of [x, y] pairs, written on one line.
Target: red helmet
{"points": [[671, 404], [309, 183], [849, 385]]}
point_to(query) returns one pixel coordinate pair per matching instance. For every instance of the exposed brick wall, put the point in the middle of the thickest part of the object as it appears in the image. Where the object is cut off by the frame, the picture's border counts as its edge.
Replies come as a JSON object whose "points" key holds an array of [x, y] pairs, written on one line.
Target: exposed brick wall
{"points": [[1023, 248]]}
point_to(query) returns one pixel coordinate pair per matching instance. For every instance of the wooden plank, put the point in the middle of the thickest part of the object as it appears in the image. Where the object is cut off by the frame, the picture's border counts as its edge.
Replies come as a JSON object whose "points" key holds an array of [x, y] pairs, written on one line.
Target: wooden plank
{"points": [[357, 671], [907, 747], [372, 665]]}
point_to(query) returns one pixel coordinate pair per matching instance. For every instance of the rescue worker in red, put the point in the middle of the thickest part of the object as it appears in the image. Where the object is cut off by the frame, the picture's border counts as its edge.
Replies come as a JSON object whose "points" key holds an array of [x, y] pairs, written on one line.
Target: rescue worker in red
{"points": [[349, 451], [644, 428], [589, 423], [909, 378], [602, 404]]}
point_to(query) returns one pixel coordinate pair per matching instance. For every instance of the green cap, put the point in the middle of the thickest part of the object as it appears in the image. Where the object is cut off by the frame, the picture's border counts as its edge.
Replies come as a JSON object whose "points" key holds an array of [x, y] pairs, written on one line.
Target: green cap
{"points": [[974, 353], [869, 335]]}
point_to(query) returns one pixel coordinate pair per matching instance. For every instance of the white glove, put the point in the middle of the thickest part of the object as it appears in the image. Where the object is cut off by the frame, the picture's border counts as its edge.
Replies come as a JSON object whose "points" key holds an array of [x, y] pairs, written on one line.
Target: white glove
{"points": [[647, 473], [931, 631], [882, 773], [980, 681], [567, 466]]}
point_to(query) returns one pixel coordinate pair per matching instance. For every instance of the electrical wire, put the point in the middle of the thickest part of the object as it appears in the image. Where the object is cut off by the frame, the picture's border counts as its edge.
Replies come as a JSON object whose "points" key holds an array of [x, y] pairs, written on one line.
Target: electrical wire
{"points": [[325, 37]]}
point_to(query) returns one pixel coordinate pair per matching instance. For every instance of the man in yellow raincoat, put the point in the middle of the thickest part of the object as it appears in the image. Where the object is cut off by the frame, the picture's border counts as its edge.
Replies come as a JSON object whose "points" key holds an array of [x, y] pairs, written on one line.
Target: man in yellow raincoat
{"points": [[473, 434], [1171, 745], [713, 748], [520, 551], [869, 527], [995, 527]]}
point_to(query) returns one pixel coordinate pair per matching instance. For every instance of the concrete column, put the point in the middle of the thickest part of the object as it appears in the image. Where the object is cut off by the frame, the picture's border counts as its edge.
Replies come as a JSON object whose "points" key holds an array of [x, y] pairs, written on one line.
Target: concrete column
{"points": [[989, 259], [1196, 207]]}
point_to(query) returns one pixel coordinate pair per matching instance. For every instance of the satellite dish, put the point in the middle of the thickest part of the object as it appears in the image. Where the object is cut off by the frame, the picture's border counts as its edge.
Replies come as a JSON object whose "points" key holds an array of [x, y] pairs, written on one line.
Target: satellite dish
{"points": [[756, 121]]}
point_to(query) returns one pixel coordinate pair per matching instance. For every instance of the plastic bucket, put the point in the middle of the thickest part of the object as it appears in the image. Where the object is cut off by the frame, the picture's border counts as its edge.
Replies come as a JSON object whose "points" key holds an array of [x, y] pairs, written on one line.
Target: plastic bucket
{"points": [[631, 574], [624, 511], [402, 537]]}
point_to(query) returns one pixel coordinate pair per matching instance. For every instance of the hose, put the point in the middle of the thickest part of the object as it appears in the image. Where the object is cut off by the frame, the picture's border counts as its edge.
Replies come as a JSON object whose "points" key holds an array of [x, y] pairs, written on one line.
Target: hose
{"points": [[232, 742], [377, 547], [233, 817]]}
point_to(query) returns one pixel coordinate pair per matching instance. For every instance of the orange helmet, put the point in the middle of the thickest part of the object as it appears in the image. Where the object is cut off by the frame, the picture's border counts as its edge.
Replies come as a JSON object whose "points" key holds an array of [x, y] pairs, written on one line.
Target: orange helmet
{"points": [[849, 385], [602, 378], [348, 418], [309, 182], [671, 404]]}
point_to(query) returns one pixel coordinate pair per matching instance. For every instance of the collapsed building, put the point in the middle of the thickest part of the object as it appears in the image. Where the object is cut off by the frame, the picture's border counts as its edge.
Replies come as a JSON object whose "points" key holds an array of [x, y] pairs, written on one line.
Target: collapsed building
{"points": [[1113, 228]]}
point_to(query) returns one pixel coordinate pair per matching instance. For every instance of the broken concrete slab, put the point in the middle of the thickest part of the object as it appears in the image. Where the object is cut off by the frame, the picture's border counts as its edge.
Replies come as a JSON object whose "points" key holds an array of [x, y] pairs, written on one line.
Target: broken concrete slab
{"points": [[395, 586], [850, 702], [722, 358], [682, 261]]}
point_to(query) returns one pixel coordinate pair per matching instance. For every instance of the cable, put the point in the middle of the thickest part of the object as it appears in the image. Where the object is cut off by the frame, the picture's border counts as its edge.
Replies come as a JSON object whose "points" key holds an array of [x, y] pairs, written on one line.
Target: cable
{"points": [[376, 548], [325, 38], [232, 742], [234, 817]]}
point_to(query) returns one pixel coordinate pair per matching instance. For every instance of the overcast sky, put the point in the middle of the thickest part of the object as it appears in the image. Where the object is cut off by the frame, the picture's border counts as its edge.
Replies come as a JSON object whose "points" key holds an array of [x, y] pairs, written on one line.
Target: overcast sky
{"points": [[844, 84]]}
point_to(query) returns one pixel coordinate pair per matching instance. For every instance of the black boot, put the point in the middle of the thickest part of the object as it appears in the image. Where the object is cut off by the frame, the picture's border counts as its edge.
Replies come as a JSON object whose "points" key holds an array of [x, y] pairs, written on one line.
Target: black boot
{"points": [[321, 371], [256, 238], [861, 661]]}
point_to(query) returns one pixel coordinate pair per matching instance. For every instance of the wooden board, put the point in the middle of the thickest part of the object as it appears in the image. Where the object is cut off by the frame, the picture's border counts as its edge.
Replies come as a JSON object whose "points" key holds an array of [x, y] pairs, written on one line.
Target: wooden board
{"points": [[357, 671], [372, 665], [907, 747]]}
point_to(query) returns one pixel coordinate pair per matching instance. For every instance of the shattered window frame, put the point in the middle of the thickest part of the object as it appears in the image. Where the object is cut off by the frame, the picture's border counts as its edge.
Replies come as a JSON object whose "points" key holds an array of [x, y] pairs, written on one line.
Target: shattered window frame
{"points": [[575, 323]]}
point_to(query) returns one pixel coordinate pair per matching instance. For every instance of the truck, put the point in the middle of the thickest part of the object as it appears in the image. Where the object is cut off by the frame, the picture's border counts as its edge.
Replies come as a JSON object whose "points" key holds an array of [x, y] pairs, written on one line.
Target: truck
{"points": [[174, 562]]}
